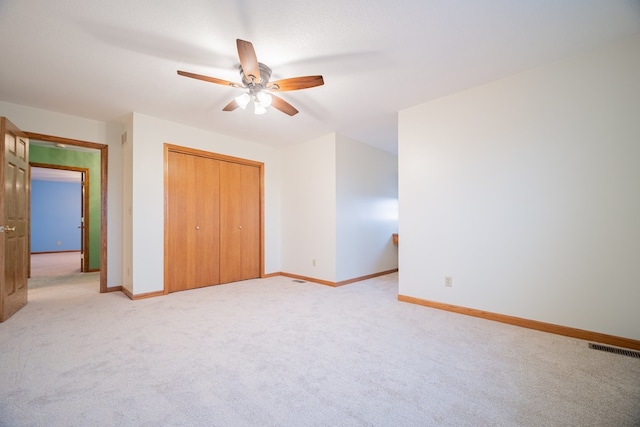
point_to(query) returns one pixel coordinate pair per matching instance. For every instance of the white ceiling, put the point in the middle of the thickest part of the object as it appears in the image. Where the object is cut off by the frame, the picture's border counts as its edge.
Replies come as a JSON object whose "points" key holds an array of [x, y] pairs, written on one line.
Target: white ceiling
{"points": [[103, 59]]}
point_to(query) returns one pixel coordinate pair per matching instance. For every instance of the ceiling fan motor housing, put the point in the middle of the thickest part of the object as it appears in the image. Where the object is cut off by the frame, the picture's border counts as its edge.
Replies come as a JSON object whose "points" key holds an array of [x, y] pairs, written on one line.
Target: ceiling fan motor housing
{"points": [[265, 75]]}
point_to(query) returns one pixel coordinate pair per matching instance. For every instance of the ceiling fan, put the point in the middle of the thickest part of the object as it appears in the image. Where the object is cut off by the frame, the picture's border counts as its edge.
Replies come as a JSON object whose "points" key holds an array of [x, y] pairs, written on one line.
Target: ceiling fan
{"points": [[255, 79]]}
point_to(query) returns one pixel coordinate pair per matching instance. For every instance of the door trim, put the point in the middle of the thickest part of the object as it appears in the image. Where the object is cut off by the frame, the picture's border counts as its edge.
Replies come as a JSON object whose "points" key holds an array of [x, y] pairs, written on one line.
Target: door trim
{"points": [[215, 156], [84, 232], [104, 163]]}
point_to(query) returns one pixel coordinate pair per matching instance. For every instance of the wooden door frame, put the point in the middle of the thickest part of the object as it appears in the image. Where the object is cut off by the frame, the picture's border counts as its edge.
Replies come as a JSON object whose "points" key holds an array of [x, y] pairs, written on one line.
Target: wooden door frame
{"points": [[168, 148], [104, 163], [85, 200]]}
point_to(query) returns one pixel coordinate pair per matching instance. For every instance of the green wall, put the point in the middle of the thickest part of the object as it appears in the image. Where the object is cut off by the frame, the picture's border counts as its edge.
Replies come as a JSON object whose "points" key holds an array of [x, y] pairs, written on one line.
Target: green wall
{"points": [[80, 159]]}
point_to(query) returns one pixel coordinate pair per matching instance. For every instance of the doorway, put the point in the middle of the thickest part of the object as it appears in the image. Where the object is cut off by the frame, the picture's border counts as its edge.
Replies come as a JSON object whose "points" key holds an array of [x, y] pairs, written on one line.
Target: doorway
{"points": [[60, 219], [100, 219]]}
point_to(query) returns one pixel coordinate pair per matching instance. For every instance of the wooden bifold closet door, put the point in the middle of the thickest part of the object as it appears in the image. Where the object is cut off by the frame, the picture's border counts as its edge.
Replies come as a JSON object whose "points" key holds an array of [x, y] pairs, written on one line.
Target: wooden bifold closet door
{"points": [[213, 220], [239, 222]]}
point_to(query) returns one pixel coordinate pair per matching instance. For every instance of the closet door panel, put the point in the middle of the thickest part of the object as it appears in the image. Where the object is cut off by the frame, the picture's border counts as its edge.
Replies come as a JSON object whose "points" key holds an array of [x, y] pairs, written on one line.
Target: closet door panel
{"points": [[182, 238], [230, 223], [250, 220], [207, 225]]}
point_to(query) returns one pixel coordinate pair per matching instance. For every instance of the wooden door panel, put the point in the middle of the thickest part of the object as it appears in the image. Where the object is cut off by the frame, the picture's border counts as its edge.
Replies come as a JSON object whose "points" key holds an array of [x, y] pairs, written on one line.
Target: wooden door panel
{"points": [[22, 223], [181, 222], [11, 243], [208, 222], [14, 217], [230, 226], [239, 222], [250, 219], [193, 222]]}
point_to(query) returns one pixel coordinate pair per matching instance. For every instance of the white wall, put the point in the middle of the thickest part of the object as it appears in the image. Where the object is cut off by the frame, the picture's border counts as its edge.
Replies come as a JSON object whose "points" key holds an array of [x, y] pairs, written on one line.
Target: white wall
{"points": [[149, 136], [309, 209], [366, 209], [339, 208], [527, 192], [61, 125], [127, 205]]}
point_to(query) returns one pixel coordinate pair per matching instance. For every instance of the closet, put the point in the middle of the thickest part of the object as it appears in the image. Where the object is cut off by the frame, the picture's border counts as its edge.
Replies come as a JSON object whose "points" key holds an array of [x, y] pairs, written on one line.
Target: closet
{"points": [[213, 219]]}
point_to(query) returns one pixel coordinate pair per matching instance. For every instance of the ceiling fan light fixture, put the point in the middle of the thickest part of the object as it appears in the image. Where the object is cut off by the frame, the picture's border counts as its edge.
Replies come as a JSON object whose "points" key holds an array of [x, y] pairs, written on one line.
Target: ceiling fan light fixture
{"points": [[243, 100], [264, 99]]}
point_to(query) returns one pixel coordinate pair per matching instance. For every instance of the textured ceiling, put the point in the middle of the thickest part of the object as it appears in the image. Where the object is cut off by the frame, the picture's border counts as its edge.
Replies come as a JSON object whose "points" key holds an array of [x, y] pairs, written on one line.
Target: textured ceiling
{"points": [[103, 59]]}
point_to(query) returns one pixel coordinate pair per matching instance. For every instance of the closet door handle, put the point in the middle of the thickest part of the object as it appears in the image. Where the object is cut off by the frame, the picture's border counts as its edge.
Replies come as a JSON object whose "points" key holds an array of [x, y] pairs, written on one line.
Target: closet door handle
{"points": [[197, 227], [240, 227]]}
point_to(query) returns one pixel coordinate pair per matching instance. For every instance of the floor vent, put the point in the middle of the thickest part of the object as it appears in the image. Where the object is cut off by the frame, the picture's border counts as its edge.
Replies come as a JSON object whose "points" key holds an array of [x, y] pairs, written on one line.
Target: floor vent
{"points": [[615, 350], [298, 281]]}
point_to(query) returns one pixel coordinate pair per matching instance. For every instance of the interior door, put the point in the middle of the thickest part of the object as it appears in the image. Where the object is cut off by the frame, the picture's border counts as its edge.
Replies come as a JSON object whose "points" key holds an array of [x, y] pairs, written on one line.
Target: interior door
{"points": [[14, 219]]}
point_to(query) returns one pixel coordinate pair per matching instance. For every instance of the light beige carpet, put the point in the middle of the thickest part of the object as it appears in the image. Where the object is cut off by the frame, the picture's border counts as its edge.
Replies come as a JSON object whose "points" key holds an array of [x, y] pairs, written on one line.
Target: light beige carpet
{"points": [[273, 352], [55, 264], [57, 268]]}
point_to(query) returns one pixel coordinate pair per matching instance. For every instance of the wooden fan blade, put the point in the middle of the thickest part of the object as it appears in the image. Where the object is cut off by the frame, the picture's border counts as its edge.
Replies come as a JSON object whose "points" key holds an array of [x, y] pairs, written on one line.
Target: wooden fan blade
{"points": [[282, 105], [231, 106], [295, 83], [248, 60], [209, 79]]}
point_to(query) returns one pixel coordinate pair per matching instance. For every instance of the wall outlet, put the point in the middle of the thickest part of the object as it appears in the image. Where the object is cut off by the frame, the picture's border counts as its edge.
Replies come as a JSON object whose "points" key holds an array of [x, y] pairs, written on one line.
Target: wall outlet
{"points": [[313, 262], [448, 281]]}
